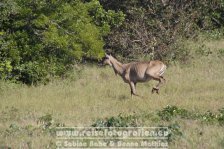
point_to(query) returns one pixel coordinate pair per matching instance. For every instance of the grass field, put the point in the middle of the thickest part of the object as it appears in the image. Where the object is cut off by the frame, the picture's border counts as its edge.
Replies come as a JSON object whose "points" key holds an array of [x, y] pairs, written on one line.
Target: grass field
{"points": [[96, 93]]}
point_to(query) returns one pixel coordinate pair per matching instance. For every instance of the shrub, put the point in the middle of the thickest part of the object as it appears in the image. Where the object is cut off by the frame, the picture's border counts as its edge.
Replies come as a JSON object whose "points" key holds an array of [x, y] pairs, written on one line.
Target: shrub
{"points": [[155, 27], [40, 39], [220, 116], [120, 121], [46, 121], [170, 112]]}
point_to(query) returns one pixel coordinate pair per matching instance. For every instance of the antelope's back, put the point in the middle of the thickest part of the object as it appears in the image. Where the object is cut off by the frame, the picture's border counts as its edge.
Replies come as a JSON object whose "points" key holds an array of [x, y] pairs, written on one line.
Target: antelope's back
{"points": [[157, 67], [138, 70]]}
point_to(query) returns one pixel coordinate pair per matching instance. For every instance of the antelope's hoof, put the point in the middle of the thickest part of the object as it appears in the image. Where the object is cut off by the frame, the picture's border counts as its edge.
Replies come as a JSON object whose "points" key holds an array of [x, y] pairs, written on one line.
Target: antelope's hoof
{"points": [[155, 90]]}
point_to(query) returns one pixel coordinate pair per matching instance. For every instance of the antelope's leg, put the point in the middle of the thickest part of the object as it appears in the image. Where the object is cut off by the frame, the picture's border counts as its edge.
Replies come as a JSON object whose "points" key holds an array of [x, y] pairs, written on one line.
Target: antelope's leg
{"points": [[164, 80], [132, 86], [161, 81], [133, 91]]}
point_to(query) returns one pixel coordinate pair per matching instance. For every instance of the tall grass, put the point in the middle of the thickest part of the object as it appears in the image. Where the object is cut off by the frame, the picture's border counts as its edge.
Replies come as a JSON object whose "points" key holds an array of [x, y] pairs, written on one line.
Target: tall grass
{"points": [[95, 92]]}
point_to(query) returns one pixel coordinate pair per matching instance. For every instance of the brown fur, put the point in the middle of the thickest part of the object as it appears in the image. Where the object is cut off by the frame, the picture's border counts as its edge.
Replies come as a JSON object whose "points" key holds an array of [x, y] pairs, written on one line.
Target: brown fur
{"points": [[135, 72]]}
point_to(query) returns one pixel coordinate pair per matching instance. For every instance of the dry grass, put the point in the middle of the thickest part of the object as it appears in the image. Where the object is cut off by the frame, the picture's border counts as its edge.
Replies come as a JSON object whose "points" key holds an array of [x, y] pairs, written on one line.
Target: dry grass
{"points": [[98, 93]]}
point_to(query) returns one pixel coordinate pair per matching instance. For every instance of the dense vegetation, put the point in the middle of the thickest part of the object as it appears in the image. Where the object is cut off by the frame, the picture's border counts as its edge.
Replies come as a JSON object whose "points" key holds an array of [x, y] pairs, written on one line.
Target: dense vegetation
{"points": [[44, 38], [155, 29]]}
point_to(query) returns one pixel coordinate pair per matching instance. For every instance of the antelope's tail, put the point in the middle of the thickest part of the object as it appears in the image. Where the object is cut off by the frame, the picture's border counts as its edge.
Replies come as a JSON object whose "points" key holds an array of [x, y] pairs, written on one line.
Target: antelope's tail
{"points": [[162, 70]]}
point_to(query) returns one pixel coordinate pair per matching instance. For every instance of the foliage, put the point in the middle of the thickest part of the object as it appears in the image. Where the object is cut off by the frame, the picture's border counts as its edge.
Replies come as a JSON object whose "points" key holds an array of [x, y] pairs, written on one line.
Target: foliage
{"points": [[46, 121], [214, 34], [119, 121], [167, 114], [40, 39], [174, 130], [220, 116], [170, 112], [155, 27]]}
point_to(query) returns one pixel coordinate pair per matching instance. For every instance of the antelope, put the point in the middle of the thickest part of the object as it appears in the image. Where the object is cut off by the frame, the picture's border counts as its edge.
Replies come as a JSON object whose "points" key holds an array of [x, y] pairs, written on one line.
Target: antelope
{"points": [[135, 72]]}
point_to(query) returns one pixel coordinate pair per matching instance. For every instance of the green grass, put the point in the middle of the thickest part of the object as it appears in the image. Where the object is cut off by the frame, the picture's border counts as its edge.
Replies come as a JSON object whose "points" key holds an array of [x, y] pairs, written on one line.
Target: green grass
{"points": [[96, 93]]}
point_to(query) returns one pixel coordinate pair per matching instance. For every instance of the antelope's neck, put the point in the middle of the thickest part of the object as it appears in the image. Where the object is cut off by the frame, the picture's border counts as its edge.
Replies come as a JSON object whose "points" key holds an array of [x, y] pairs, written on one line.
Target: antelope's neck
{"points": [[118, 67]]}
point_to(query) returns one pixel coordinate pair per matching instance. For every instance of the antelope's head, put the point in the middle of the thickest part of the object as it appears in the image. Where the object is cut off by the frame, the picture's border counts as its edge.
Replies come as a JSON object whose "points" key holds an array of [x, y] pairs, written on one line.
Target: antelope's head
{"points": [[107, 60], [110, 60]]}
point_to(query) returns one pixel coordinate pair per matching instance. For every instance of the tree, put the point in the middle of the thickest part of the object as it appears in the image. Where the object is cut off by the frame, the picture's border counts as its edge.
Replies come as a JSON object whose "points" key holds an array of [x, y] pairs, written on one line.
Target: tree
{"points": [[44, 38], [152, 28]]}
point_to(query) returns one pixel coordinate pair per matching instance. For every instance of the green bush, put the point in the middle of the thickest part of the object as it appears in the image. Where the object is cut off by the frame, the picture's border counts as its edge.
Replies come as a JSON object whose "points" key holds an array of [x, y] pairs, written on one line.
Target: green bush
{"points": [[220, 117], [119, 121], [170, 112], [40, 39]]}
